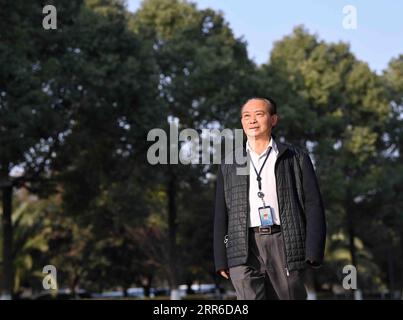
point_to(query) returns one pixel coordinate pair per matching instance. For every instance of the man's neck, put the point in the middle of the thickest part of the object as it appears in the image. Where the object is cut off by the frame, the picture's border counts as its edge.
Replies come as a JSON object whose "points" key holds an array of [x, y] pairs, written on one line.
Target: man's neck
{"points": [[259, 145]]}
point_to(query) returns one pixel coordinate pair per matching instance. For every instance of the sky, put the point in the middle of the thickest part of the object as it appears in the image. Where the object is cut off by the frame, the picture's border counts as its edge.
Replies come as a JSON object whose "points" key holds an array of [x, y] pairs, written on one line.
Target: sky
{"points": [[377, 38]]}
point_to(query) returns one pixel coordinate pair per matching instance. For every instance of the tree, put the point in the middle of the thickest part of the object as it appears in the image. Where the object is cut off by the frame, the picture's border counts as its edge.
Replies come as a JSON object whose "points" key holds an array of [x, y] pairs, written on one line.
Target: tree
{"points": [[32, 228], [336, 107], [390, 197], [102, 166], [204, 74], [30, 118], [69, 103]]}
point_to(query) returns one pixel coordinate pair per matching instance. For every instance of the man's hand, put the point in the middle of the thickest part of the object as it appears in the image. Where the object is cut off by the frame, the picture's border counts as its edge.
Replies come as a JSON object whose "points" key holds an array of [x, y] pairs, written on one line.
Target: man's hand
{"points": [[224, 273]]}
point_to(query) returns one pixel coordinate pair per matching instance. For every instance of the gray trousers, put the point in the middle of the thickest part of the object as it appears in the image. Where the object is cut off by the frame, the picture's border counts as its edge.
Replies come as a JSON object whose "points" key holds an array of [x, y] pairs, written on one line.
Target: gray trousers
{"points": [[264, 276]]}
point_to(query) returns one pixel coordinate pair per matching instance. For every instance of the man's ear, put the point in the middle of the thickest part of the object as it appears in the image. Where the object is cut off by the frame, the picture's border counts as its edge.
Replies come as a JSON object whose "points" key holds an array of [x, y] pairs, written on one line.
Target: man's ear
{"points": [[274, 120]]}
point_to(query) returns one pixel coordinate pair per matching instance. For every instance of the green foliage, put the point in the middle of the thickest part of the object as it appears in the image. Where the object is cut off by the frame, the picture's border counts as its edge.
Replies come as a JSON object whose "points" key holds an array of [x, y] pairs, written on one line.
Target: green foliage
{"points": [[76, 105]]}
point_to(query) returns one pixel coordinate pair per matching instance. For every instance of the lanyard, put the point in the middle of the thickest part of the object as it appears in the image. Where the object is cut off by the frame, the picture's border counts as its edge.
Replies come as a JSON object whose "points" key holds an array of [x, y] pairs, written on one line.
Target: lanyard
{"points": [[260, 194]]}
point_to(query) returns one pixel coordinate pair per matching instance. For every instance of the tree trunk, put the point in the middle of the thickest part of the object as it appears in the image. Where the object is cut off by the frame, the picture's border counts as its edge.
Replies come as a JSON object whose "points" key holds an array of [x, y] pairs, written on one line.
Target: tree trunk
{"points": [[147, 285], [73, 287], [172, 229], [400, 273], [8, 274], [351, 234], [391, 272], [125, 291]]}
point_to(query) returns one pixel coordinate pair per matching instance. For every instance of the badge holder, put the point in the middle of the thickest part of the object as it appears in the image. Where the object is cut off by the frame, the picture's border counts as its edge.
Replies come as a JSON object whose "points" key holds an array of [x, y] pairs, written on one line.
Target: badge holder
{"points": [[265, 214]]}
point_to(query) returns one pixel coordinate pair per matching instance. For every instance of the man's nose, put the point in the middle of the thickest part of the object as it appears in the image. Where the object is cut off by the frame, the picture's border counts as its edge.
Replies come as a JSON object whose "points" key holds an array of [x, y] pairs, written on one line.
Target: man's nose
{"points": [[252, 120]]}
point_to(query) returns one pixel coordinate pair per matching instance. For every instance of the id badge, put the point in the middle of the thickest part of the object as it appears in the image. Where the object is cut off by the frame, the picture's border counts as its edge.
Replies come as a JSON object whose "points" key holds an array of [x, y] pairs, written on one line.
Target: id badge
{"points": [[266, 217]]}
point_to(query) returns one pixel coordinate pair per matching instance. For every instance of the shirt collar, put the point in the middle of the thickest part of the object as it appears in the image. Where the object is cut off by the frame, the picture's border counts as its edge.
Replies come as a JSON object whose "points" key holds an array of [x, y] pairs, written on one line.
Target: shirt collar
{"points": [[272, 144]]}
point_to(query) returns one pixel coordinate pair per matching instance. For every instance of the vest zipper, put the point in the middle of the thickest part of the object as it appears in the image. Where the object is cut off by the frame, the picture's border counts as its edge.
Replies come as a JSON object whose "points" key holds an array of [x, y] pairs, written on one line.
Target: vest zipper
{"points": [[279, 215]]}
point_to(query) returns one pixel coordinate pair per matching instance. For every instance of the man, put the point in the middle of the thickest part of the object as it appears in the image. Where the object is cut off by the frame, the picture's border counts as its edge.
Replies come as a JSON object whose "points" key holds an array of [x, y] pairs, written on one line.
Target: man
{"points": [[269, 224]]}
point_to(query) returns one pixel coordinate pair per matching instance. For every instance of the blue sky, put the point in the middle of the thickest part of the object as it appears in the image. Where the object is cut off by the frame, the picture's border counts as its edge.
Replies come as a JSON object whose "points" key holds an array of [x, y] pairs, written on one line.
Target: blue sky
{"points": [[378, 37]]}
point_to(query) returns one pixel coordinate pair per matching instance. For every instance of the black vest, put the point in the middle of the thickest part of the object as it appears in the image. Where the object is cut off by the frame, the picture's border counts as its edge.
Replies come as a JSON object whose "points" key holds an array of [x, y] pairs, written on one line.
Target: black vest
{"points": [[290, 201]]}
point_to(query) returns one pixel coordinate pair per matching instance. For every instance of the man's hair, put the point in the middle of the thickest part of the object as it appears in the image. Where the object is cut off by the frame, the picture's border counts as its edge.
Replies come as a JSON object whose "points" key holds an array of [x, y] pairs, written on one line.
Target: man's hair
{"points": [[271, 104]]}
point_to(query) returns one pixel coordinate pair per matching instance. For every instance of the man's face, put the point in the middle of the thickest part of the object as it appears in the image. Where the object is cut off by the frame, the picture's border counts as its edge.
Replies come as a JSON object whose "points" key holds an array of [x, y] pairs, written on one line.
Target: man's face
{"points": [[256, 119]]}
